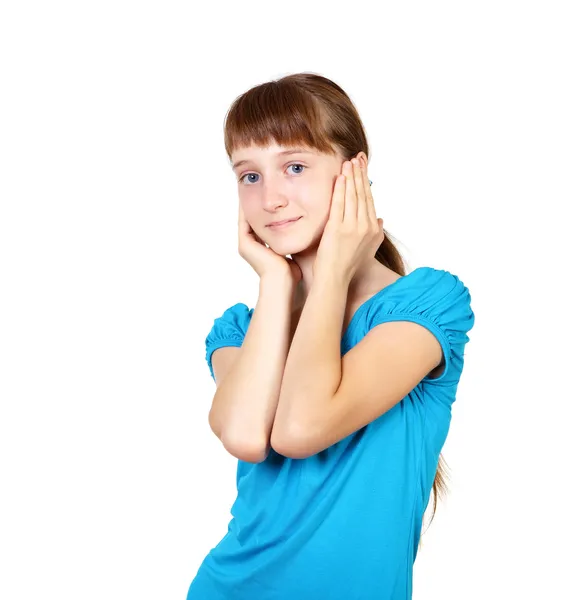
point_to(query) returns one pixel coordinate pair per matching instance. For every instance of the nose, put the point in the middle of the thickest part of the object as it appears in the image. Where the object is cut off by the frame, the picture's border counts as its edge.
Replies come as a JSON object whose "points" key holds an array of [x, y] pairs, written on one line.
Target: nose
{"points": [[273, 197]]}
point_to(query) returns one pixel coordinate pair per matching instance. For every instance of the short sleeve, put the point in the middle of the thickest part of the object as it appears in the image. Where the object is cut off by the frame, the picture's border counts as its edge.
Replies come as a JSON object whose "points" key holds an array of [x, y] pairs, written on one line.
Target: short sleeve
{"points": [[228, 330], [437, 300]]}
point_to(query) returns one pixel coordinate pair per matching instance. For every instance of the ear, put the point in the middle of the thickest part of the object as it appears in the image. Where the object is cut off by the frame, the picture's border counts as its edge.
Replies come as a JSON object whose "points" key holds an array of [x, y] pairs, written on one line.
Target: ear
{"points": [[363, 158]]}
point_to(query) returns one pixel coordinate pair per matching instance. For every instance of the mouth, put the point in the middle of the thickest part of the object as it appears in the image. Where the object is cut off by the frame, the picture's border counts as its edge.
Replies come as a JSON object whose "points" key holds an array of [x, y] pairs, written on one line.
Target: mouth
{"points": [[283, 224]]}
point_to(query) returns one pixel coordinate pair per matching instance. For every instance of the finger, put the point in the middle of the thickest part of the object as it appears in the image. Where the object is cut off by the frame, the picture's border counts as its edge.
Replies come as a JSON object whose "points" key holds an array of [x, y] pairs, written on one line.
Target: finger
{"points": [[362, 212], [338, 200], [351, 203], [371, 211]]}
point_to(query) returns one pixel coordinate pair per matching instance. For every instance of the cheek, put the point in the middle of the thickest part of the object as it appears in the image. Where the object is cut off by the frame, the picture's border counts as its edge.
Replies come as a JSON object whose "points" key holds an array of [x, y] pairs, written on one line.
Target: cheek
{"points": [[250, 214], [317, 198], [249, 207], [319, 204]]}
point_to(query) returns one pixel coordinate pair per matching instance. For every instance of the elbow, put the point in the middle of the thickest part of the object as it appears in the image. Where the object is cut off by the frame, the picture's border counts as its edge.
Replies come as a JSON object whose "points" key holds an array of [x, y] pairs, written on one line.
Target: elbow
{"points": [[238, 447], [292, 450], [247, 452], [293, 446]]}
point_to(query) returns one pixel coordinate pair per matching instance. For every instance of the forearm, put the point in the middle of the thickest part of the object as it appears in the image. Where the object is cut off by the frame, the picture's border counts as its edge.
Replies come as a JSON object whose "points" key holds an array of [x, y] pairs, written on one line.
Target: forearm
{"points": [[312, 372], [245, 402]]}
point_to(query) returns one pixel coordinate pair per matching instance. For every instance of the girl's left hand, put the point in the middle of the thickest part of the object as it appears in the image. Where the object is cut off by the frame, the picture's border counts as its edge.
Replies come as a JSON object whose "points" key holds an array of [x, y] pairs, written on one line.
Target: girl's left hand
{"points": [[353, 233]]}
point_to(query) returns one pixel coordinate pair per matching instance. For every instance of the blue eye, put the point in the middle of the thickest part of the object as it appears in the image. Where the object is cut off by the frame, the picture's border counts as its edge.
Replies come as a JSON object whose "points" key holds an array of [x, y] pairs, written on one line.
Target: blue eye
{"points": [[291, 165]]}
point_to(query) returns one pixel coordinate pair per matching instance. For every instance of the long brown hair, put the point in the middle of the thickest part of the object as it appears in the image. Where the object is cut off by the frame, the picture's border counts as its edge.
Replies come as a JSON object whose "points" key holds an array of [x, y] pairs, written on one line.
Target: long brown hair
{"points": [[307, 109]]}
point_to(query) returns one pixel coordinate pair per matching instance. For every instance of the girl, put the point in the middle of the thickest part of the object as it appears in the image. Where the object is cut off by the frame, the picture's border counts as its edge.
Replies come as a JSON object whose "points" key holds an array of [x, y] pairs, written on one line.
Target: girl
{"points": [[335, 391]]}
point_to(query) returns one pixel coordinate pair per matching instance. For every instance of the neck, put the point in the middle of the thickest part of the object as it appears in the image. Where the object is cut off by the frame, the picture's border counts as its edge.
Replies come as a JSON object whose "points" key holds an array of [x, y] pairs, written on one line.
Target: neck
{"points": [[361, 283]]}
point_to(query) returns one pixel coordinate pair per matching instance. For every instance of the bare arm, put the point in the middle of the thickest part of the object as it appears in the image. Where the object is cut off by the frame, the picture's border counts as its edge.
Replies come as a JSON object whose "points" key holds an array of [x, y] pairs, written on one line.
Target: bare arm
{"points": [[245, 402]]}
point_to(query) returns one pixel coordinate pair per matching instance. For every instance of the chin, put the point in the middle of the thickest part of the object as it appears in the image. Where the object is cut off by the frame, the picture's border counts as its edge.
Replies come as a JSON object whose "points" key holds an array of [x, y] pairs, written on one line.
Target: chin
{"points": [[287, 246], [293, 248], [293, 244], [283, 249]]}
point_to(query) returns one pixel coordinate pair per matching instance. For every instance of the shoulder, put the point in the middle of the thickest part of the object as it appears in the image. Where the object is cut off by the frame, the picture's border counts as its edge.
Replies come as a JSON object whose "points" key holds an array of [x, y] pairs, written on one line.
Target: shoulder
{"points": [[233, 322], [436, 299], [228, 330], [429, 277], [421, 289], [236, 311]]}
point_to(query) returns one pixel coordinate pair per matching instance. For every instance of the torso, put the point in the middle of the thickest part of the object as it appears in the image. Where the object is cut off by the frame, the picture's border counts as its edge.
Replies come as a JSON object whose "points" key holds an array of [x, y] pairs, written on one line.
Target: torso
{"points": [[386, 277]]}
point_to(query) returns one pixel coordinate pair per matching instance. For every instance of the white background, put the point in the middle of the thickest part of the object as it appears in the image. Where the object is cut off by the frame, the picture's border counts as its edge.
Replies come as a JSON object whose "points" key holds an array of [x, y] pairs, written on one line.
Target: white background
{"points": [[118, 249]]}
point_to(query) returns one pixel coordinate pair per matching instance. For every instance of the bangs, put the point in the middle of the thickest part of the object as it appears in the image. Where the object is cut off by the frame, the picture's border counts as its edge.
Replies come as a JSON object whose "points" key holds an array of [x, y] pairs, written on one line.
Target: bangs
{"points": [[278, 112]]}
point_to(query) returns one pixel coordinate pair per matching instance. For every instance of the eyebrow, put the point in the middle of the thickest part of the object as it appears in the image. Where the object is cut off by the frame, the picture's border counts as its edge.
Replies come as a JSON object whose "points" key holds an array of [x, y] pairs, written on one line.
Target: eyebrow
{"points": [[282, 153]]}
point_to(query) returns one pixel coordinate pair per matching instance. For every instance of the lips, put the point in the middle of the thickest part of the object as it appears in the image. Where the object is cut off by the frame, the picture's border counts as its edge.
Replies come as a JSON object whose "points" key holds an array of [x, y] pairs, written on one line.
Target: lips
{"points": [[281, 223]]}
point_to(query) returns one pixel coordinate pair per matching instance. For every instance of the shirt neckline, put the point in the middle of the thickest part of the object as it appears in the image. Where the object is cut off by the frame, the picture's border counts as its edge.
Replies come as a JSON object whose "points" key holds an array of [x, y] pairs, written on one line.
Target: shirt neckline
{"points": [[377, 294]]}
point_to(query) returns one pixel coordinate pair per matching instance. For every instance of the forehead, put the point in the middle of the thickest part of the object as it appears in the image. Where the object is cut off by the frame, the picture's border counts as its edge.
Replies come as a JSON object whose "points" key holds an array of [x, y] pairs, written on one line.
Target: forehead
{"points": [[256, 153]]}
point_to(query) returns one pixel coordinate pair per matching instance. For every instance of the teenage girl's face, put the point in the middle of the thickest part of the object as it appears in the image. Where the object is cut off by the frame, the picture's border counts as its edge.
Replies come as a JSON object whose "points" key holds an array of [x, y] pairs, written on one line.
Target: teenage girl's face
{"points": [[273, 186]]}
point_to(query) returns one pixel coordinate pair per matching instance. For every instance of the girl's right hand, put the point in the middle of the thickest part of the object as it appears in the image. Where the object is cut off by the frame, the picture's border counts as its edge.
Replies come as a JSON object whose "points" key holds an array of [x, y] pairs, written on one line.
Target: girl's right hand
{"points": [[262, 259]]}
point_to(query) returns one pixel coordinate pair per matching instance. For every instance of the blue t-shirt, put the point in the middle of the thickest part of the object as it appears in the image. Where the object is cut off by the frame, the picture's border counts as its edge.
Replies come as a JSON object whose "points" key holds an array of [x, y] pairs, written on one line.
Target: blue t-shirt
{"points": [[344, 524]]}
